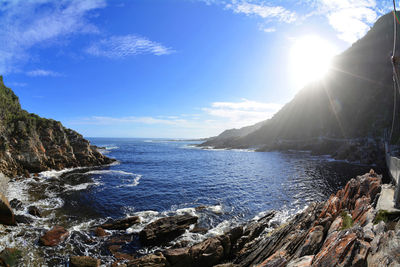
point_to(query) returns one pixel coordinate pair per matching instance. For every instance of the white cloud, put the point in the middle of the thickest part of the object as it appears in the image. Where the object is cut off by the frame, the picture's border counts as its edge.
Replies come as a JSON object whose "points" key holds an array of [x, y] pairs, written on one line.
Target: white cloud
{"points": [[242, 113], [262, 10], [25, 24], [351, 18], [40, 72], [214, 119], [128, 45]]}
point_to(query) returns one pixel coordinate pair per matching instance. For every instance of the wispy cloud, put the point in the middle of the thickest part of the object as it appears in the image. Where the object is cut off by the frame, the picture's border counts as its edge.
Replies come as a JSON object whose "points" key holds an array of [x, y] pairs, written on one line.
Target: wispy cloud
{"points": [[25, 24], [125, 46], [243, 113], [262, 10], [40, 72], [215, 118]]}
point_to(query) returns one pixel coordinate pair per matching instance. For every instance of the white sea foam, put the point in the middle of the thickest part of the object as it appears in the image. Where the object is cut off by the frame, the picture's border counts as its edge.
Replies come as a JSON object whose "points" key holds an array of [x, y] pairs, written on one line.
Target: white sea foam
{"points": [[216, 209], [110, 172], [82, 186]]}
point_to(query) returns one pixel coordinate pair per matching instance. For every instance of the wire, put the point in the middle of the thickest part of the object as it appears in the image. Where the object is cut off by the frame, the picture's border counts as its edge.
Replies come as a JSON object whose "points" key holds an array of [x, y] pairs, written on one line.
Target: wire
{"points": [[395, 75]]}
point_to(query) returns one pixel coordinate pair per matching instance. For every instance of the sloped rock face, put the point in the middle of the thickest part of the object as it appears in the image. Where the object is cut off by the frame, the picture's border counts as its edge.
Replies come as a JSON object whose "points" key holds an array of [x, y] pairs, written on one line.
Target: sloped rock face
{"points": [[30, 144]]}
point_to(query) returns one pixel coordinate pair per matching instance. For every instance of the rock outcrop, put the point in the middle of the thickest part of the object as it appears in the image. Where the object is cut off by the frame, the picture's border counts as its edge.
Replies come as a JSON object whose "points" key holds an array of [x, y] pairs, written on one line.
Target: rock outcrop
{"points": [[31, 144], [166, 229]]}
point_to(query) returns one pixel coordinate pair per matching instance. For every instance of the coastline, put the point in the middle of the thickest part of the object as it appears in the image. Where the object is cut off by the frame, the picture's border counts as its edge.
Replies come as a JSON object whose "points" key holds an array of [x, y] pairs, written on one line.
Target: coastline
{"points": [[247, 235]]}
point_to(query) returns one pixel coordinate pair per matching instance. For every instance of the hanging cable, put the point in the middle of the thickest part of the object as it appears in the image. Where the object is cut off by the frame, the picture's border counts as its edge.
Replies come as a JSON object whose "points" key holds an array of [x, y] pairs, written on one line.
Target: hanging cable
{"points": [[394, 67]]}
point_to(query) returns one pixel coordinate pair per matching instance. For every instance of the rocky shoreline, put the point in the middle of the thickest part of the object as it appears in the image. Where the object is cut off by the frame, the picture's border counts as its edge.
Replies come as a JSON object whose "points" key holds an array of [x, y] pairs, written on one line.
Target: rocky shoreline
{"points": [[346, 230], [360, 150]]}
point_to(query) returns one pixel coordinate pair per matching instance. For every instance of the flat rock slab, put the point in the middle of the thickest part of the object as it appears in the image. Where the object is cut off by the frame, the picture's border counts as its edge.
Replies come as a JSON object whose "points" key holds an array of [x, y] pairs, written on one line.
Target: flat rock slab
{"points": [[54, 236], [166, 229], [121, 224], [84, 261]]}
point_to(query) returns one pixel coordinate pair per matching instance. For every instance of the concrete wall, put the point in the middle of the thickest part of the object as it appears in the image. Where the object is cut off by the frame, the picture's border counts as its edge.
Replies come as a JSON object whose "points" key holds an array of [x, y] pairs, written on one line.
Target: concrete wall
{"points": [[393, 165]]}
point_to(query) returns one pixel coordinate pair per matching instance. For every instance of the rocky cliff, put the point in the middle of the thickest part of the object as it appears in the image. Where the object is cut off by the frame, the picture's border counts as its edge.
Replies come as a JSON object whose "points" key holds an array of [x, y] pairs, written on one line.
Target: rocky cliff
{"points": [[30, 144], [354, 101]]}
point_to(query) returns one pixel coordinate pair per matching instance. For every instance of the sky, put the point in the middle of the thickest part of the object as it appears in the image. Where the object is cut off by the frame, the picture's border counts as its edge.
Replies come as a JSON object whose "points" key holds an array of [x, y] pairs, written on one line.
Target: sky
{"points": [[165, 68]]}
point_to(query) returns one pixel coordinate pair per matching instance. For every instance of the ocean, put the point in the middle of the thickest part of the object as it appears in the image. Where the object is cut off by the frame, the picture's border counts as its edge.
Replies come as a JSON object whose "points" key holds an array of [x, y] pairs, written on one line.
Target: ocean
{"points": [[154, 178]]}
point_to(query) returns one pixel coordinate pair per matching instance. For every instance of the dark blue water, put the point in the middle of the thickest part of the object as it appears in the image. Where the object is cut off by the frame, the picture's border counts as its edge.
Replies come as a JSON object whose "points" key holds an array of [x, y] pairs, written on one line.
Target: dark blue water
{"points": [[166, 176]]}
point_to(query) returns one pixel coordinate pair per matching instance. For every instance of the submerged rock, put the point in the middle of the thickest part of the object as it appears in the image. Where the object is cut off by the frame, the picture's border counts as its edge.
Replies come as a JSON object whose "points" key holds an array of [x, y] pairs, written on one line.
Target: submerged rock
{"points": [[10, 257], [16, 204], [84, 261], [122, 224], [6, 213], [54, 236], [166, 229]]}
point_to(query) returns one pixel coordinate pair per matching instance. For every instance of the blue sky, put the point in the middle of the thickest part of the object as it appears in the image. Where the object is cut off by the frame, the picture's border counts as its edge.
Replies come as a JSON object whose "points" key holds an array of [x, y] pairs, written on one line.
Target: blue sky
{"points": [[165, 68]]}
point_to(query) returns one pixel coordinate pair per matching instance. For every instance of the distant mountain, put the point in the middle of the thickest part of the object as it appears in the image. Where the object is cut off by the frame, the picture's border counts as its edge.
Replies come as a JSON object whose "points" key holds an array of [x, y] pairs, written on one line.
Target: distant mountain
{"points": [[355, 100], [30, 144]]}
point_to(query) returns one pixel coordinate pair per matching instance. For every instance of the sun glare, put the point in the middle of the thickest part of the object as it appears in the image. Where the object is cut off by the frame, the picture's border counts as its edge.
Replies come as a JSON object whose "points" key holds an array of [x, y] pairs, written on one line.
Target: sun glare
{"points": [[310, 59]]}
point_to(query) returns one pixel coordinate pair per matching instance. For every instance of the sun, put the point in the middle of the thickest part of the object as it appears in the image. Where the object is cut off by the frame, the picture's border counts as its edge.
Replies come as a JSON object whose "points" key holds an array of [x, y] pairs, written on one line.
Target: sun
{"points": [[310, 59]]}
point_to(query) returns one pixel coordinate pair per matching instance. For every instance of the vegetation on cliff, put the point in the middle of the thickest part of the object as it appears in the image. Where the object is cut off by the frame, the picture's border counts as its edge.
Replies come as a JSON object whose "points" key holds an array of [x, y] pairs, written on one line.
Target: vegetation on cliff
{"points": [[29, 143]]}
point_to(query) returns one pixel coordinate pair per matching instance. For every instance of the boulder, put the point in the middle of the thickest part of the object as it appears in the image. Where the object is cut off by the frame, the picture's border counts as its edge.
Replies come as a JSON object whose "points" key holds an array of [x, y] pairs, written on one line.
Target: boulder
{"points": [[122, 224], [34, 211], [23, 219], [54, 236], [166, 229], [100, 232], [207, 253], [6, 213], [84, 261], [178, 257]]}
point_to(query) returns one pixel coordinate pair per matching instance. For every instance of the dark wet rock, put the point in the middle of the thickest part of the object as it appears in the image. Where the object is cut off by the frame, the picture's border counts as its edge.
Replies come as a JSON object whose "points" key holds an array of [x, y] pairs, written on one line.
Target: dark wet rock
{"points": [[54, 236], [199, 208], [100, 232], [6, 213], [166, 229], [84, 261], [178, 257], [34, 211], [304, 261], [199, 230], [152, 260], [10, 257], [207, 253], [16, 204], [122, 224], [23, 219]]}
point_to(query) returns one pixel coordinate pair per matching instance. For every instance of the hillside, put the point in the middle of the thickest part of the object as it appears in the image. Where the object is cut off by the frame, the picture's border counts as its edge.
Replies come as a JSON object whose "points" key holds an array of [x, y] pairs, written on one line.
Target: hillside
{"points": [[353, 102], [30, 144]]}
